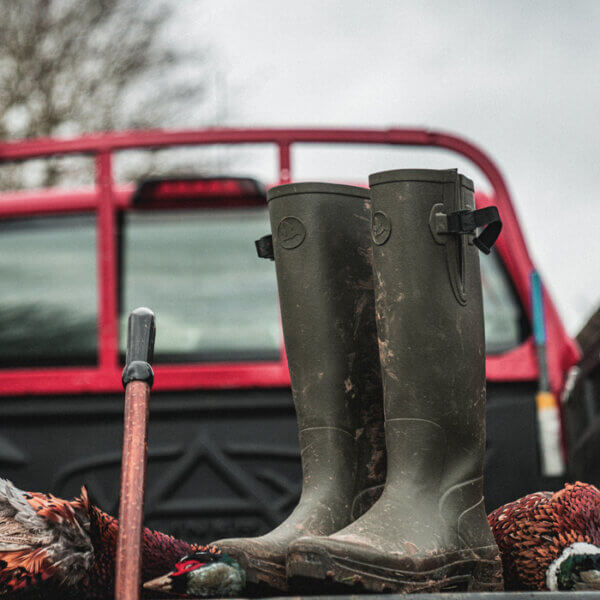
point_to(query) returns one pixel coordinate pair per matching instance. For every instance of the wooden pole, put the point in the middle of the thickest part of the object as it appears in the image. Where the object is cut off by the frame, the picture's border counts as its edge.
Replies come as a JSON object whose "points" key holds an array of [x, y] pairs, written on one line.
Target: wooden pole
{"points": [[137, 379]]}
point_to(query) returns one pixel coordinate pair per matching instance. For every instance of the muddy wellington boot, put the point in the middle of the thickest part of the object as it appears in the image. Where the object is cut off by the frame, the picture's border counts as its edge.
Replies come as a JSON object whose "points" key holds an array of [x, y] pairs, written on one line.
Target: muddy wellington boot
{"points": [[323, 257], [428, 531]]}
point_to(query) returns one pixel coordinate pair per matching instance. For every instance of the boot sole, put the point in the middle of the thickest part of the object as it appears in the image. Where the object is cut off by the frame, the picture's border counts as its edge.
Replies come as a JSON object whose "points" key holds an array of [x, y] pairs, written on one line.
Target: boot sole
{"points": [[477, 570]]}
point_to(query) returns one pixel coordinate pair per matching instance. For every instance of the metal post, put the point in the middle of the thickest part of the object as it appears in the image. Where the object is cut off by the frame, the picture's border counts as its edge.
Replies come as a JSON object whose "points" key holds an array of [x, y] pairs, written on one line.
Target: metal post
{"points": [[285, 169], [108, 344]]}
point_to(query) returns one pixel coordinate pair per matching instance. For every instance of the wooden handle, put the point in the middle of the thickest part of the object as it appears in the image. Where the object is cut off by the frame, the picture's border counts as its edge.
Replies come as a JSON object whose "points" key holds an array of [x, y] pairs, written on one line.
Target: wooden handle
{"points": [[137, 378]]}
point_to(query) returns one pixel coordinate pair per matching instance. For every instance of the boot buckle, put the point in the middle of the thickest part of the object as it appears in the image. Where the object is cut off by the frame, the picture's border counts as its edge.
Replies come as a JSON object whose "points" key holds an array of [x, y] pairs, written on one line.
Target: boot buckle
{"points": [[466, 222]]}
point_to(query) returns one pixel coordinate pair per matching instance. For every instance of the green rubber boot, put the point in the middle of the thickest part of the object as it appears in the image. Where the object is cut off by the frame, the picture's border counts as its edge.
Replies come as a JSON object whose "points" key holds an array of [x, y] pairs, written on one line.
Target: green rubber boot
{"points": [[323, 258], [428, 531]]}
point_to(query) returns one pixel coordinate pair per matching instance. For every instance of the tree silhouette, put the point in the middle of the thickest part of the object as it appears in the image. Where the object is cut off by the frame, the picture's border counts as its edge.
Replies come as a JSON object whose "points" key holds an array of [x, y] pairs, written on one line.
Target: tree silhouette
{"points": [[74, 66]]}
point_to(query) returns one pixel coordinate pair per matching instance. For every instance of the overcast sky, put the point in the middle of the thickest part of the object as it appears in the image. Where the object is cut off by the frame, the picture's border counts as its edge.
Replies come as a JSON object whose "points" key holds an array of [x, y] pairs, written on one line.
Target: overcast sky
{"points": [[521, 79]]}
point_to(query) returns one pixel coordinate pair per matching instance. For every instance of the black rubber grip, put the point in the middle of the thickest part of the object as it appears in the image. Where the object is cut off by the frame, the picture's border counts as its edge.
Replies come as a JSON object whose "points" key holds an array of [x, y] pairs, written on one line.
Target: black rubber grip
{"points": [[138, 370], [141, 331]]}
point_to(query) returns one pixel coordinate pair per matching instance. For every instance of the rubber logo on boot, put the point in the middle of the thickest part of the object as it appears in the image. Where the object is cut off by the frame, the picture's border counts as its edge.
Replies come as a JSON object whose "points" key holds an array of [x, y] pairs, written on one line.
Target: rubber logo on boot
{"points": [[381, 227], [290, 232]]}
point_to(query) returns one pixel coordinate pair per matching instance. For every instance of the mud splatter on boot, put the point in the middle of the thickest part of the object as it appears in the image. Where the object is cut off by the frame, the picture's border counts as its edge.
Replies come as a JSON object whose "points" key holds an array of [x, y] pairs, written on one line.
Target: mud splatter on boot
{"points": [[323, 256]]}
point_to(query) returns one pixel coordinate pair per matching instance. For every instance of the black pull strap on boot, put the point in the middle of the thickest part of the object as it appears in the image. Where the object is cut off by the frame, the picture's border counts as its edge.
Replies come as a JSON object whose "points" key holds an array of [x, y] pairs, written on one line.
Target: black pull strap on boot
{"points": [[428, 532], [322, 250]]}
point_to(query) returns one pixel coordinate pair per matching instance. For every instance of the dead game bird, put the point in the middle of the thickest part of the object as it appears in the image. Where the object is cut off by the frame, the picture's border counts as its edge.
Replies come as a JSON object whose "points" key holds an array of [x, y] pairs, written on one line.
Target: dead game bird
{"points": [[59, 549], [550, 541], [200, 575]]}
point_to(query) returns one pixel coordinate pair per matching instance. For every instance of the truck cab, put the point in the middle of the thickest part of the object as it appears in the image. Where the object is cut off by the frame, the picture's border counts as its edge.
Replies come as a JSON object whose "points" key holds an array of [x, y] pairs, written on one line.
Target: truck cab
{"points": [[223, 453]]}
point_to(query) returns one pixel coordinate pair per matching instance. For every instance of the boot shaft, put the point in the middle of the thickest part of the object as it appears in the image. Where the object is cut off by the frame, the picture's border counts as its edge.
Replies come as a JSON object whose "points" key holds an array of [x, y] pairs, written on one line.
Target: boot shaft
{"points": [[323, 258], [430, 324]]}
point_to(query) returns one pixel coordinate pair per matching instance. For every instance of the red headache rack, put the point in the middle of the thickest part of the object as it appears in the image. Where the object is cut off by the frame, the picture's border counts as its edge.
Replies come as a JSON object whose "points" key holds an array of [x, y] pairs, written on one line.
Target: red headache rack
{"points": [[107, 200]]}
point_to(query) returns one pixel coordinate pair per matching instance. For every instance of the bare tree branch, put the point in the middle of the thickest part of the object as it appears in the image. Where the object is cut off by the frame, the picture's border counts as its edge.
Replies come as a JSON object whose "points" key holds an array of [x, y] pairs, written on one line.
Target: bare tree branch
{"points": [[74, 66]]}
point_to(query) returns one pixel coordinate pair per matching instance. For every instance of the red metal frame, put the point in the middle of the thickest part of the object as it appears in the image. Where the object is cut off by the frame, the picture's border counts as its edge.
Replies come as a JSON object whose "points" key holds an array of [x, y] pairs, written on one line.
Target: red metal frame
{"points": [[107, 199]]}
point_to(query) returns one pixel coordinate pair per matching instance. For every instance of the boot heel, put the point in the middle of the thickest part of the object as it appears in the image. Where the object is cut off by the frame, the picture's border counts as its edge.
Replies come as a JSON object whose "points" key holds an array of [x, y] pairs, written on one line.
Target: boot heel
{"points": [[487, 575]]}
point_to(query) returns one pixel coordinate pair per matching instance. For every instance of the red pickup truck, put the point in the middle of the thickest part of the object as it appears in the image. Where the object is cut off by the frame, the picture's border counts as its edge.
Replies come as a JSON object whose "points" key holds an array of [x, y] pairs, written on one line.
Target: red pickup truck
{"points": [[223, 454]]}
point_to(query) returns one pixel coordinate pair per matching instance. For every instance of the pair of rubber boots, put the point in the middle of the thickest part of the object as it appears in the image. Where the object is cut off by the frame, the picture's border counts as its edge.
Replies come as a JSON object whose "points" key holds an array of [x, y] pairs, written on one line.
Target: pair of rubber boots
{"points": [[381, 305]]}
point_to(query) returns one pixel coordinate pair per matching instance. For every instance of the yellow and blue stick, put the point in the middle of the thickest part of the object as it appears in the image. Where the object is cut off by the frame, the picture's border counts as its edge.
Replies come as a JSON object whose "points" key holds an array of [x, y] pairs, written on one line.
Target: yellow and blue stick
{"points": [[548, 416]]}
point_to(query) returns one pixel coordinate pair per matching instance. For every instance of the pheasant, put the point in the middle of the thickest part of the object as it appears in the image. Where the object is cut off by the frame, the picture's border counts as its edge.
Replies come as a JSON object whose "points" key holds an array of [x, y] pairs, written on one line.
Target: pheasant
{"points": [[551, 541], [202, 574], [52, 548]]}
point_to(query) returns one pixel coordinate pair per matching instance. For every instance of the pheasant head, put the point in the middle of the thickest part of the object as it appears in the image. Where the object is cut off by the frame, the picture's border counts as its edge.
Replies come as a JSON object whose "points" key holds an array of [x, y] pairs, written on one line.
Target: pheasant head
{"points": [[206, 572]]}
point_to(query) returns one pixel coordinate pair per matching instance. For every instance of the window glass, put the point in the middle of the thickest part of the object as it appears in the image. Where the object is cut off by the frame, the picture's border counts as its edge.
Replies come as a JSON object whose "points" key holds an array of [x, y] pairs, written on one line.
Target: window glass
{"points": [[48, 293], [214, 299], [505, 321]]}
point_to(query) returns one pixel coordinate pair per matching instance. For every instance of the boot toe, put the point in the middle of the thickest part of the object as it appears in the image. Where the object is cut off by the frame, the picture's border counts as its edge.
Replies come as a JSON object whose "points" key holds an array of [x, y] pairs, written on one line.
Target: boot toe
{"points": [[262, 560]]}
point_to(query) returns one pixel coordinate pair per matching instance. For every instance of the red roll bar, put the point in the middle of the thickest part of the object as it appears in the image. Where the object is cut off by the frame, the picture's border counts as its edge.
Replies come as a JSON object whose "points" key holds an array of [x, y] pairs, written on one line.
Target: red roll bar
{"points": [[108, 199]]}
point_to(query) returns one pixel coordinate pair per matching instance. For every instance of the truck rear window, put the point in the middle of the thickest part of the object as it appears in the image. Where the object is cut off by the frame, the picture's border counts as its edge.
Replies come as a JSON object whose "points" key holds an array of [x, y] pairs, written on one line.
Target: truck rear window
{"points": [[213, 298], [505, 322], [197, 269], [48, 291]]}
